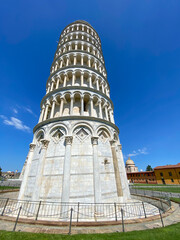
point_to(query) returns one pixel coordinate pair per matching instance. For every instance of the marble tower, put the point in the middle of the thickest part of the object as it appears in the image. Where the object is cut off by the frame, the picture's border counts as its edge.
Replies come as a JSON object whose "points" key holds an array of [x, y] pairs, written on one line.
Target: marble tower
{"points": [[76, 155]]}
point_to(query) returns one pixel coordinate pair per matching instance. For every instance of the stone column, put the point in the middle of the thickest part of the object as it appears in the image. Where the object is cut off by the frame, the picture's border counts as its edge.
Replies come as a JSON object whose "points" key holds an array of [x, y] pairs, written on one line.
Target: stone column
{"points": [[82, 46], [40, 169], [90, 80], [106, 112], [49, 85], [71, 105], [88, 48], [96, 171], [100, 109], [76, 46], [97, 83], [82, 60], [95, 65], [82, 78], [111, 115], [53, 107], [102, 87], [66, 176], [56, 66], [75, 60], [61, 107], [26, 173], [82, 105], [91, 106], [126, 191], [46, 111], [65, 80], [73, 78], [89, 62], [116, 169], [42, 114], [52, 84], [57, 84], [61, 63], [67, 62]]}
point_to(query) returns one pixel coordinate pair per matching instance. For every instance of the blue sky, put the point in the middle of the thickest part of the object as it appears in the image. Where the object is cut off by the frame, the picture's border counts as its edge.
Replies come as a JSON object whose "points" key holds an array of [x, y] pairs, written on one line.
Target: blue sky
{"points": [[141, 46]]}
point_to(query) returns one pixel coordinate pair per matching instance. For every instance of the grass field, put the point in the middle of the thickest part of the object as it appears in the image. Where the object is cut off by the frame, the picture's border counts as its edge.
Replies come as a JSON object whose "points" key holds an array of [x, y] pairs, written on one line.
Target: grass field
{"points": [[7, 187], [161, 189], [168, 233], [175, 199]]}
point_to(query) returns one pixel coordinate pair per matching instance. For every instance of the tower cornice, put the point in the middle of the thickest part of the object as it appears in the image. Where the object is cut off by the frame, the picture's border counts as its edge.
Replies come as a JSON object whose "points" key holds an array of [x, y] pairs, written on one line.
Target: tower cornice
{"points": [[79, 51], [79, 67], [78, 118], [63, 89]]}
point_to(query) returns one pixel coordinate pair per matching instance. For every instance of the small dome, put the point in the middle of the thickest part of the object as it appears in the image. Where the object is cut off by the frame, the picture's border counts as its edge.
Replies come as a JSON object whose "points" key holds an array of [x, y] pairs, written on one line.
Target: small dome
{"points": [[130, 162]]}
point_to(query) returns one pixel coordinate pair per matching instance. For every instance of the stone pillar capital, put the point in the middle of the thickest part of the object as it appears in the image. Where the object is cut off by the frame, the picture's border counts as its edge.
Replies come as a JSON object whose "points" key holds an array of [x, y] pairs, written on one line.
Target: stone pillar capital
{"points": [[120, 147], [44, 143], [112, 142], [47, 102], [32, 146], [43, 106], [54, 99], [68, 140], [94, 140]]}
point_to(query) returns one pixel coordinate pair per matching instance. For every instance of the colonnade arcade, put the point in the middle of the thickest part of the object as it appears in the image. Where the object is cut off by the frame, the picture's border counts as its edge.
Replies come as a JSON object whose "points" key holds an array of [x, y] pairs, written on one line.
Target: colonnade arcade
{"points": [[80, 28], [76, 104], [79, 45], [78, 78], [80, 59]]}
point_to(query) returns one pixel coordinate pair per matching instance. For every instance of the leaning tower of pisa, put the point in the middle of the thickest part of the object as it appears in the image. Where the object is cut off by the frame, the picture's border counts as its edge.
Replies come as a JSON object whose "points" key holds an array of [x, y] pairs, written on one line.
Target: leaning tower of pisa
{"points": [[76, 155]]}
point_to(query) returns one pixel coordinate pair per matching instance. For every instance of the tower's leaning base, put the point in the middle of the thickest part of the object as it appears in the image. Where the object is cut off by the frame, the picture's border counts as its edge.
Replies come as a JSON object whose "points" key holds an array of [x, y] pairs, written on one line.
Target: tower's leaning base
{"points": [[78, 160]]}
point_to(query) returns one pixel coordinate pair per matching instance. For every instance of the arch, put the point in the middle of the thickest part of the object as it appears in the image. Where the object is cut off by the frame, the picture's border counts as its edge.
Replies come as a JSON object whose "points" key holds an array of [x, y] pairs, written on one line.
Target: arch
{"points": [[105, 129], [39, 135], [82, 124], [57, 132]]}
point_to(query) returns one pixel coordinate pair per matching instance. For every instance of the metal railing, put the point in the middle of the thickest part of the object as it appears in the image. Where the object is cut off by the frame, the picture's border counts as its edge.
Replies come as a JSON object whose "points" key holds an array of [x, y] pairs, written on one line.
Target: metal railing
{"points": [[151, 193], [82, 211]]}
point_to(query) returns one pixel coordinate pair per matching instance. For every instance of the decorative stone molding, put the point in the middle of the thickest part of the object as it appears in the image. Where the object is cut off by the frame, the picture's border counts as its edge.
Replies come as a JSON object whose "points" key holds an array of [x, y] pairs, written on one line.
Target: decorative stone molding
{"points": [[45, 143], [113, 143], [120, 147], [94, 140], [68, 140], [32, 146]]}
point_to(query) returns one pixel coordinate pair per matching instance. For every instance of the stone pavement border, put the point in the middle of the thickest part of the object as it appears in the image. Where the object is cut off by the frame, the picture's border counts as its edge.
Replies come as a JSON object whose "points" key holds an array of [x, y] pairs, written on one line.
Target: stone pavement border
{"points": [[173, 216]]}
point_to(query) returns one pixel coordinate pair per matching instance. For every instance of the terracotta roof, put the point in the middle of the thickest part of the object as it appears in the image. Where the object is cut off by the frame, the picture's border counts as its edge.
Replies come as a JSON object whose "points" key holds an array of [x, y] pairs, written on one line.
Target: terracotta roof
{"points": [[140, 172], [168, 166]]}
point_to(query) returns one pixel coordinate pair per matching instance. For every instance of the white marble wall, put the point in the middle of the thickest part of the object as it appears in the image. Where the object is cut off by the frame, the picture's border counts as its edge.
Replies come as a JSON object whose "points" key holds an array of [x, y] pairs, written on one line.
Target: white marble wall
{"points": [[91, 174]]}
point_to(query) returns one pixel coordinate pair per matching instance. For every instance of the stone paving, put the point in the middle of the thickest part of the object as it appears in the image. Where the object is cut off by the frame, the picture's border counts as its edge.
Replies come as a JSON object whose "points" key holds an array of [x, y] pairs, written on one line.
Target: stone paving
{"points": [[173, 218]]}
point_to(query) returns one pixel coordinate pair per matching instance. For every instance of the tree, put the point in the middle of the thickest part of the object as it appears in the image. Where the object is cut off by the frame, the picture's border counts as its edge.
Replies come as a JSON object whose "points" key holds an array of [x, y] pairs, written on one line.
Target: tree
{"points": [[149, 168], [0, 171]]}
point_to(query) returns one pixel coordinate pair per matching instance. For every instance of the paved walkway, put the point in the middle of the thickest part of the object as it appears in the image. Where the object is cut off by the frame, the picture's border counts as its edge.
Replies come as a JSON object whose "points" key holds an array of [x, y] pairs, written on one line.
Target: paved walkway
{"points": [[174, 217]]}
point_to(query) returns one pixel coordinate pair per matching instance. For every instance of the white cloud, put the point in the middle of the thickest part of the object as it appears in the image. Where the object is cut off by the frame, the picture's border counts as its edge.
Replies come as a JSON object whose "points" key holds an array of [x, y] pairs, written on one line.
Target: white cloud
{"points": [[138, 152], [15, 122], [27, 109], [15, 110]]}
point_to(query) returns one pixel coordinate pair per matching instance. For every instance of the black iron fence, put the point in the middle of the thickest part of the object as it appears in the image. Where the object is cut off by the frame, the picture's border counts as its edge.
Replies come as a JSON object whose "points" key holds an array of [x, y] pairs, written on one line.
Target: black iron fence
{"points": [[151, 193], [56, 211]]}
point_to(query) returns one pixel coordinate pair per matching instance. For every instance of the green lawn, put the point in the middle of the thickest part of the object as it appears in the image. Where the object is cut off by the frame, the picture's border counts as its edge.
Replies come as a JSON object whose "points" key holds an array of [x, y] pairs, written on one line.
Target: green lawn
{"points": [[7, 187], [168, 233], [147, 184], [175, 199], [161, 189]]}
